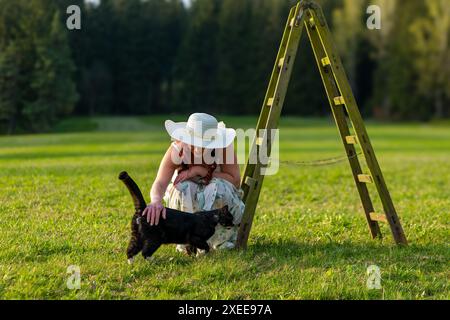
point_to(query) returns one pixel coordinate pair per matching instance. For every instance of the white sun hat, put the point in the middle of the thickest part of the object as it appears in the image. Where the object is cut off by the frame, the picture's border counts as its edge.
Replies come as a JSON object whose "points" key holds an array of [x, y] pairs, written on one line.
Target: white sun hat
{"points": [[201, 130]]}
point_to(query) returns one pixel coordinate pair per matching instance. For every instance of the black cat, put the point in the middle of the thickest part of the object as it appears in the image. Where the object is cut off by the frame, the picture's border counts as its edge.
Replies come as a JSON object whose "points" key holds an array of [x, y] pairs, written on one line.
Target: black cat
{"points": [[178, 227]]}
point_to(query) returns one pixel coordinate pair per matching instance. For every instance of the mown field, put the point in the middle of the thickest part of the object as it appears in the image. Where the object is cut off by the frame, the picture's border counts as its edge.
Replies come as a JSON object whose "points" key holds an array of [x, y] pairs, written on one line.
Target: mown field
{"points": [[61, 204]]}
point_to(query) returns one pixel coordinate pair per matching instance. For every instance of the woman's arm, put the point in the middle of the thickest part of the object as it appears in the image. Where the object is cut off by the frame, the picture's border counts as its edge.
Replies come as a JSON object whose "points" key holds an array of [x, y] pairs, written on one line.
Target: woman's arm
{"points": [[159, 186], [162, 180], [230, 170]]}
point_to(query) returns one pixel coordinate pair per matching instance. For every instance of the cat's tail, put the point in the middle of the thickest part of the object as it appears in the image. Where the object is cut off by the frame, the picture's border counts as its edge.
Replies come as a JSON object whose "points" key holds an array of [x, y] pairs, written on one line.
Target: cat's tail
{"points": [[138, 199]]}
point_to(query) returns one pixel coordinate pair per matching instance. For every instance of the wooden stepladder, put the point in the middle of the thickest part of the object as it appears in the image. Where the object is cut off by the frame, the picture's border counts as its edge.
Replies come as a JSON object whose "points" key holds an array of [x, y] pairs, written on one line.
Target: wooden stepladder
{"points": [[307, 14]]}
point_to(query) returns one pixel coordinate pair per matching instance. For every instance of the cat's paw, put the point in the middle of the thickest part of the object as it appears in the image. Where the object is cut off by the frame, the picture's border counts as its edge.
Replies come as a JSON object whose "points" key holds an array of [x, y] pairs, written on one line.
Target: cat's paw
{"points": [[150, 259], [200, 253], [130, 260]]}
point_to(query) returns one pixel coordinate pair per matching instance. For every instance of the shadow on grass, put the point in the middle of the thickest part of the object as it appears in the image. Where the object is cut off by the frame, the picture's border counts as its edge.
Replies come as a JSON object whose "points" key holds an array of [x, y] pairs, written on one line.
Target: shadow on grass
{"points": [[321, 255], [266, 256], [332, 254]]}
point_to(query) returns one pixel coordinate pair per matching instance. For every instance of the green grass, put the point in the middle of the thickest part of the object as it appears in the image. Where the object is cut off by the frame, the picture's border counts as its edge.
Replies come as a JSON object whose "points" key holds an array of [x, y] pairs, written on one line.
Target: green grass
{"points": [[61, 204]]}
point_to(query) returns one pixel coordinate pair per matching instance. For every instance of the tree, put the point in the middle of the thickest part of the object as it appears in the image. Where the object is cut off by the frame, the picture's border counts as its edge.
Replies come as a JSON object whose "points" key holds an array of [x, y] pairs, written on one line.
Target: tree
{"points": [[197, 64], [96, 48], [16, 54], [36, 84], [234, 52], [381, 41], [347, 35], [52, 78], [431, 34], [396, 86], [10, 79]]}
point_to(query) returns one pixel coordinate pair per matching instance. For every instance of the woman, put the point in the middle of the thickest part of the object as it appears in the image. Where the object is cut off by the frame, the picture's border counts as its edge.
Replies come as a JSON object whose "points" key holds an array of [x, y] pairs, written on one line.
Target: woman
{"points": [[199, 172]]}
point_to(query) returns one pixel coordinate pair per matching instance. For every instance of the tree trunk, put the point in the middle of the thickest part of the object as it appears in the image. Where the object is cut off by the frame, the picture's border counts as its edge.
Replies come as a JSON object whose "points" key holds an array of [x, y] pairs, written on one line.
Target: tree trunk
{"points": [[155, 99], [438, 105], [169, 92], [386, 107], [12, 124]]}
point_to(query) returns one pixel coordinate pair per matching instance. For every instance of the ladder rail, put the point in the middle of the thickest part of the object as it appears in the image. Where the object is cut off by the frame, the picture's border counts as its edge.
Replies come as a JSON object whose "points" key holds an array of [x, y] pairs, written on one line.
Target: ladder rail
{"points": [[269, 117], [358, 125], [285, 75], [331, 89], [249, 167]]}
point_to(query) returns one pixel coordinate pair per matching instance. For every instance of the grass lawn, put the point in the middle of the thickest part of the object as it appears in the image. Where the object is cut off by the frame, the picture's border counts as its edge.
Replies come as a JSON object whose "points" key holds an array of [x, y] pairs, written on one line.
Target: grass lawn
{"points": [[61, 204]]}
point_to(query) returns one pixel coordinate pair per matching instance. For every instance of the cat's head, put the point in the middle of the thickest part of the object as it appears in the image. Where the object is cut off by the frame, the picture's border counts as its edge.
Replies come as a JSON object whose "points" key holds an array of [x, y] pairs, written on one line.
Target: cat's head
{"points": [[224, 217]]}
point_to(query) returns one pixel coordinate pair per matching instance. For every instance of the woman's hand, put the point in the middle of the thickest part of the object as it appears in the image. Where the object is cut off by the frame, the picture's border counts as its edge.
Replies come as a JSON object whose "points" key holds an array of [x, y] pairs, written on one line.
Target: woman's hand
{"points": [[182, 176], [192, 172], [153, 211], [199, 171]]}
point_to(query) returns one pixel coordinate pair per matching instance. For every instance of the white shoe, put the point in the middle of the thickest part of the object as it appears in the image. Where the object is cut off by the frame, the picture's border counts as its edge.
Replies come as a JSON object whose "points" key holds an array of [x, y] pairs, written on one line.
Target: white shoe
{"points": [[227, 245]]}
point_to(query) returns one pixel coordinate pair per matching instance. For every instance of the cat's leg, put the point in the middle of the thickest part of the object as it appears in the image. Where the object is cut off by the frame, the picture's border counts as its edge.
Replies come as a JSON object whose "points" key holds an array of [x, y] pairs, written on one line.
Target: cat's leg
{"points": [[135, 244], [191, 250], [149, 249], [200, 244], [133, 249]]}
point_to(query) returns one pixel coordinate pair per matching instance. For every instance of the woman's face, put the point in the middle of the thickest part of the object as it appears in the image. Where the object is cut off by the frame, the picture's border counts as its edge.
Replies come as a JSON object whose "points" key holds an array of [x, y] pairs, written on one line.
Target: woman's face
{"points": [[198, 151]]}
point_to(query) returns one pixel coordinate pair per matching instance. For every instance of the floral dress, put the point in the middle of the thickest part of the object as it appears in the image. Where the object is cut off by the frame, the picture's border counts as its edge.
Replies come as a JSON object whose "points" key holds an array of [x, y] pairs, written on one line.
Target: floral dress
{"points": [[195, 195]]}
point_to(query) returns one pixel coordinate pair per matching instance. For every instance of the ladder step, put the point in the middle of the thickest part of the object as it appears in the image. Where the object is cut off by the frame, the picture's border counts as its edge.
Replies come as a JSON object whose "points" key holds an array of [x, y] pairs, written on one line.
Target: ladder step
{"points": [[377, 217], [250, 182], [259, 141], [365, 178], [326, 62], [270, 102], [291, 24], [339, 101], [351, 140], [280, 63]]}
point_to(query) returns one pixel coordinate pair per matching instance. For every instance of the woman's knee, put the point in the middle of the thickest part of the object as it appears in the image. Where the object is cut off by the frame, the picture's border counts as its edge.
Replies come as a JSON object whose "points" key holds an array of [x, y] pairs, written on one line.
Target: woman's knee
{"points": [[222, 185], [225, 194]]}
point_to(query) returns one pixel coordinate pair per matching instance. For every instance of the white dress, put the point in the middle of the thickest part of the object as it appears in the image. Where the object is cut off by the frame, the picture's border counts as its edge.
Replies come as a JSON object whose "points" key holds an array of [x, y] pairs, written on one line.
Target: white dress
{"points": [[192, 196]]}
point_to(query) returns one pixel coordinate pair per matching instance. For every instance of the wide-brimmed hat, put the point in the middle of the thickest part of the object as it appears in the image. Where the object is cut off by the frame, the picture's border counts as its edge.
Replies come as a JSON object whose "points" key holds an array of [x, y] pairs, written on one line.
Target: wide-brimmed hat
{"points": [[201, 130]]}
